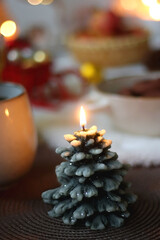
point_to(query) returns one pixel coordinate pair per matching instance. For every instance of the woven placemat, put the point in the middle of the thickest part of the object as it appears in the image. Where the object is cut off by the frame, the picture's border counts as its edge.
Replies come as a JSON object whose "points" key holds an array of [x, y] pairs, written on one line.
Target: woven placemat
{"points": [[28, 220]]}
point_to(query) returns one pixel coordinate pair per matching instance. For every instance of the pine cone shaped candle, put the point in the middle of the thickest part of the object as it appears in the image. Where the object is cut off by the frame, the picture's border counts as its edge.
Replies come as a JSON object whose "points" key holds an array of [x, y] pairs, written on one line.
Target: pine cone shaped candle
{"points": [[93, 191]]}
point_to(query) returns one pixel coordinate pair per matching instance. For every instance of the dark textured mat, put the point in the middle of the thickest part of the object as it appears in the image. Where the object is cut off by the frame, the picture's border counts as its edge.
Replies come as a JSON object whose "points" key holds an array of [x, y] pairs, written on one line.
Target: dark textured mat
{"points": [[23, 215], [28, 220]]}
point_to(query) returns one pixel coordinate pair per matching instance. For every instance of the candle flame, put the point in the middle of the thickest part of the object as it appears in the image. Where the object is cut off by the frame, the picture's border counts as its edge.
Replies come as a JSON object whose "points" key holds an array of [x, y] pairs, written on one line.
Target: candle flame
{"points": [[6, 112], [82, 118]]}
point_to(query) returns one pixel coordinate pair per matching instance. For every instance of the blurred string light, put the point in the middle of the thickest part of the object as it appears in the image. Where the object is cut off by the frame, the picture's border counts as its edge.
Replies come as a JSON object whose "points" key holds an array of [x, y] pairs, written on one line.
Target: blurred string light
{"points": [[154, 12], [8, 28], [39, 56], [154, 8], [47, 2], [35, 2], [144, 9], [149, 3], [38, 2], [13, 55]]}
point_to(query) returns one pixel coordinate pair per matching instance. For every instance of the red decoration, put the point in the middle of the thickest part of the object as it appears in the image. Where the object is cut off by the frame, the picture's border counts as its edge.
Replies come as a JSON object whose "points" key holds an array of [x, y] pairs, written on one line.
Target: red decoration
{"points": [[44, 88], [55, 91], [23, 69], [105, 23]]}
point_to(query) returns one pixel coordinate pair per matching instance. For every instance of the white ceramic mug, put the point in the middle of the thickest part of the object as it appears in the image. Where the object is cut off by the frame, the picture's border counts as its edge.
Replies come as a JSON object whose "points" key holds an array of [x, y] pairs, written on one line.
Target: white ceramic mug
{"points": [[18, 139]]}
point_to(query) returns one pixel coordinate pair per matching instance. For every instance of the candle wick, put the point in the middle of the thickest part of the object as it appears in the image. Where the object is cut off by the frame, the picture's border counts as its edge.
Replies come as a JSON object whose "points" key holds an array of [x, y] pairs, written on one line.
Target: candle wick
{"points": [[83, 127]]}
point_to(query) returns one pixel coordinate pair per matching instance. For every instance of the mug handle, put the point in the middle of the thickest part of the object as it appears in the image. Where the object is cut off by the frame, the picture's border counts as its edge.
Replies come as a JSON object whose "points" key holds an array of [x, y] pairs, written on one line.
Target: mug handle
{"points": [[96, 101]]}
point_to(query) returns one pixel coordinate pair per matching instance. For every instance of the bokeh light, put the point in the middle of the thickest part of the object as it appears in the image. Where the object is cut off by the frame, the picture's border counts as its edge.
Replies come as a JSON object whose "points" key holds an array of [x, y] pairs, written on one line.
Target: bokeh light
{"points": [[6, 112], [8, 28], [47, 2], [154, 12], [87, 70], [149, 3], [27, 52], [39, 56], [35, 2], [13, 55]]}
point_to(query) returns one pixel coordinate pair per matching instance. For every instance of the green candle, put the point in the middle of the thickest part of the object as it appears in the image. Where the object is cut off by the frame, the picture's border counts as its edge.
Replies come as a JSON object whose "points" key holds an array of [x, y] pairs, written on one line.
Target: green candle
{"points": [[92, 189]]}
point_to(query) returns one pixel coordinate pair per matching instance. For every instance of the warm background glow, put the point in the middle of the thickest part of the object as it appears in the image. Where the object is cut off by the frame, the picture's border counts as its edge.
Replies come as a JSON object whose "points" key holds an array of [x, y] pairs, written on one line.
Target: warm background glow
{"points": [[144, 9], [131, 6], [154, 12], [149, 3], [83, 121], [8, 28]]}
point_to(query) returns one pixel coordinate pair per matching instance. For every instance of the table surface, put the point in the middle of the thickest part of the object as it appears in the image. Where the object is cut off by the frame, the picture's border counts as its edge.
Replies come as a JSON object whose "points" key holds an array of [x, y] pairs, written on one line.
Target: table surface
{"points": [[23, 215]]}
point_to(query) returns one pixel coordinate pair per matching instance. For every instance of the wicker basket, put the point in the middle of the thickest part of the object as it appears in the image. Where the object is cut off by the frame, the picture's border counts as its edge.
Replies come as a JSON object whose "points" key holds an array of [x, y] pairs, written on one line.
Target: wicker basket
{"points": [[110, 51]]}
